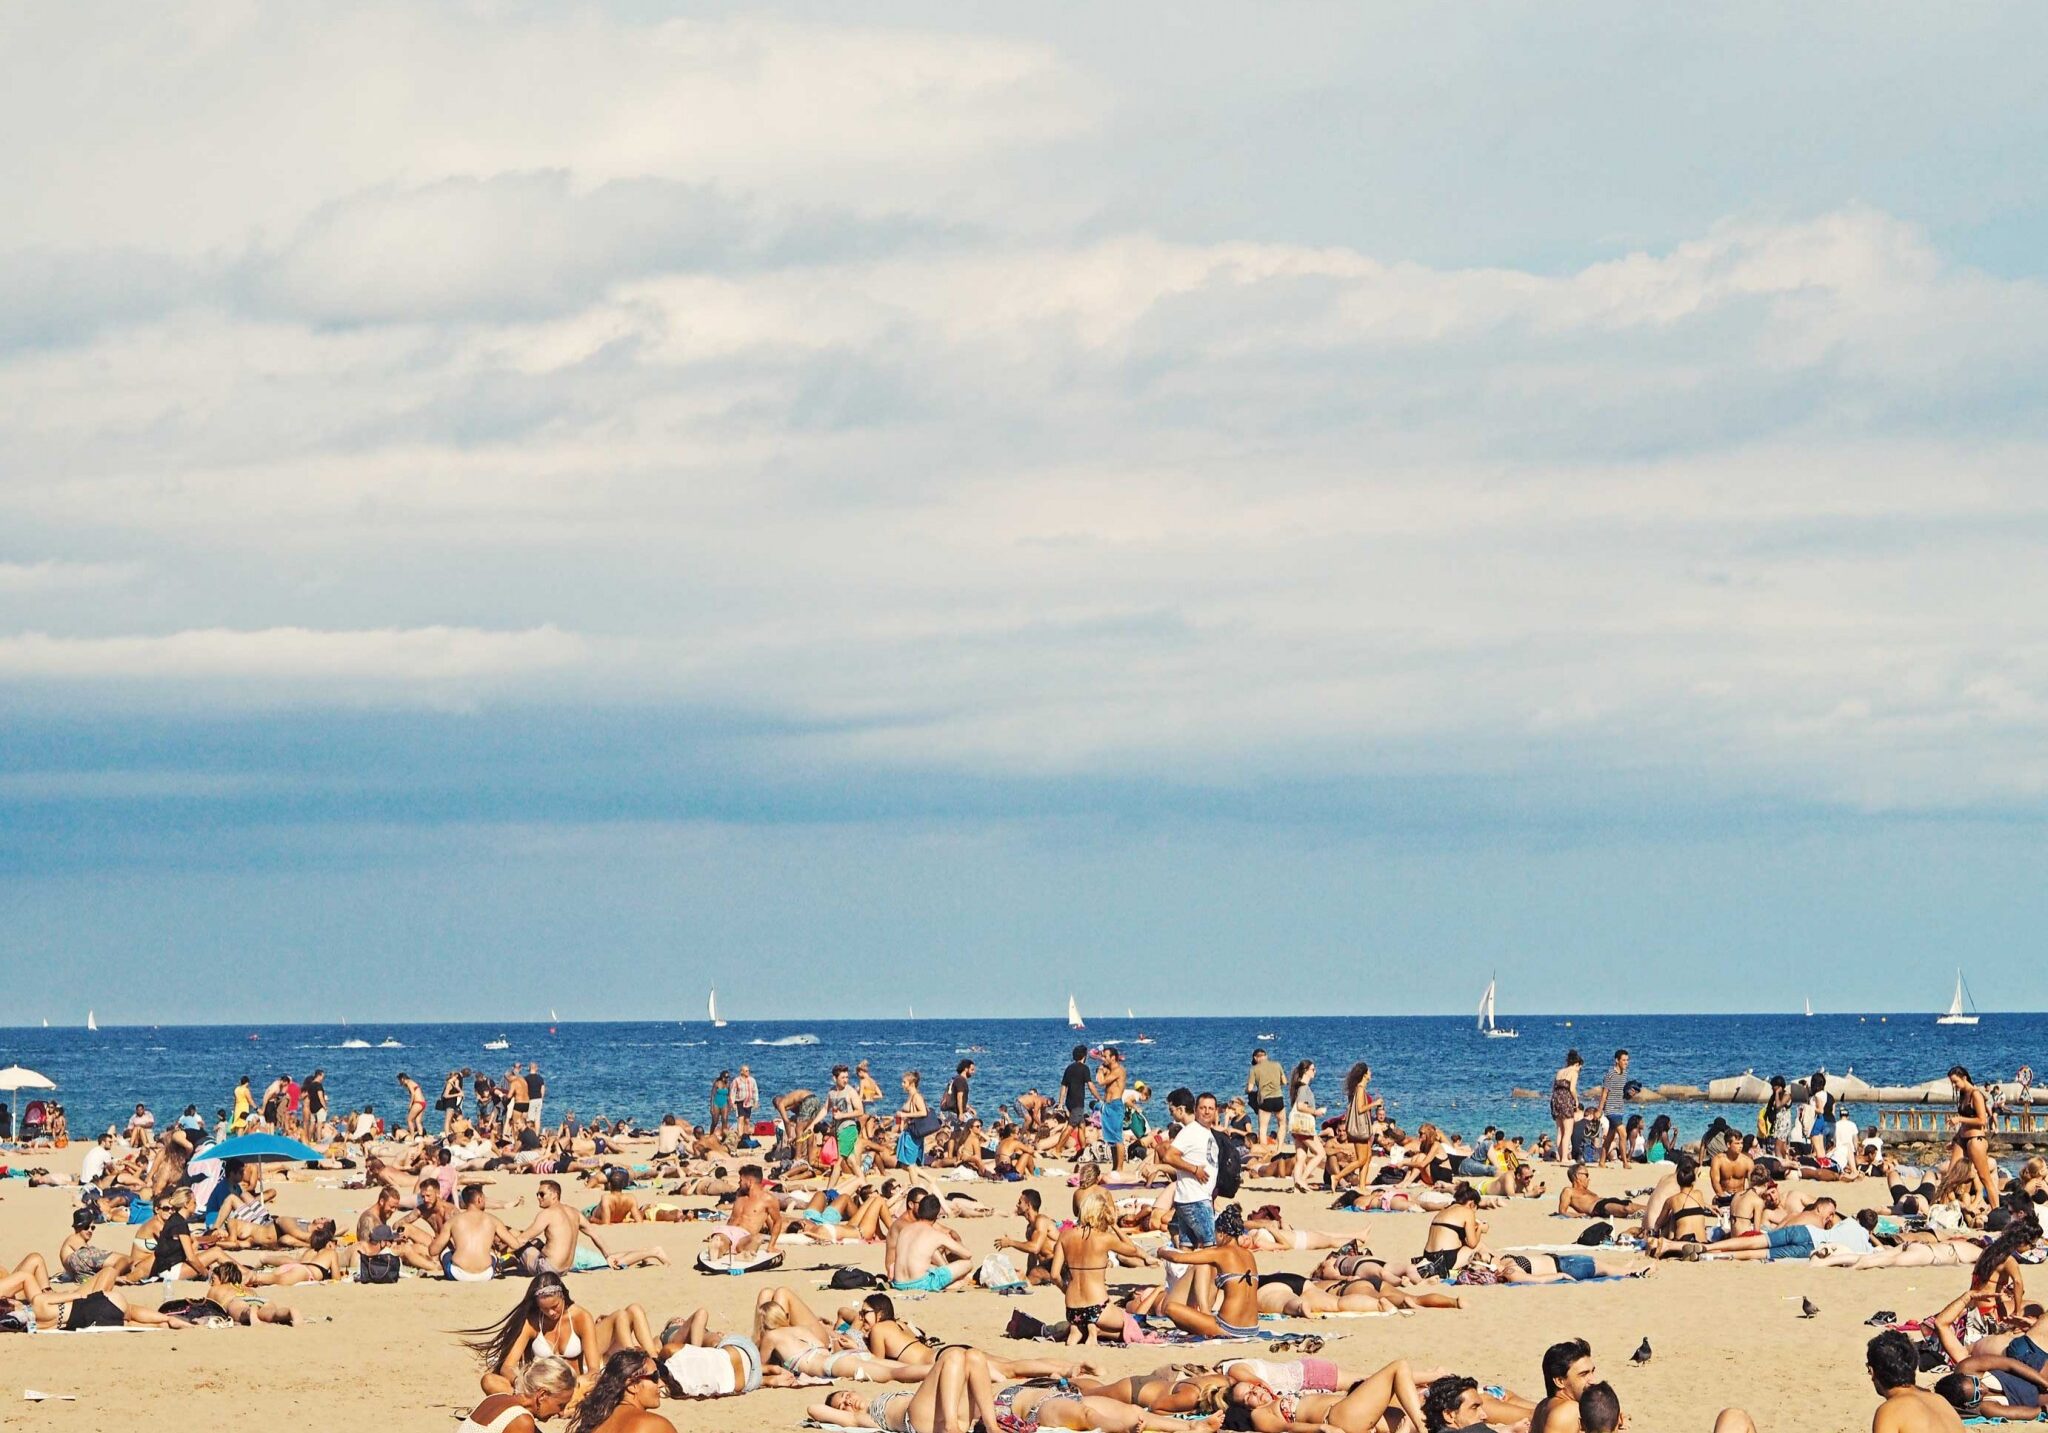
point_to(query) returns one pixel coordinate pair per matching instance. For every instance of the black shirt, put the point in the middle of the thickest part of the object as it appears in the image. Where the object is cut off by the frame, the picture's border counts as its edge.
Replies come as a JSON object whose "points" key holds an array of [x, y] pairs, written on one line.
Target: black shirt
{"points": [[956, 1096], [528, 1139], [536, 1087], [1074, 1085], [170, 1245]]}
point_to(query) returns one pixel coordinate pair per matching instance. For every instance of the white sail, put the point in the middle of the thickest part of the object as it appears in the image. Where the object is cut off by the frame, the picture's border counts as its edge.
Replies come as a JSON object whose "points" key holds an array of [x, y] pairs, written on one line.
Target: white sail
{"points": [[1809, 1009], [1129, 1014], [90, 1023], [1955, 1014], [716, 1023], [1486, 1007], [1074, 1015], [552, 1015]]}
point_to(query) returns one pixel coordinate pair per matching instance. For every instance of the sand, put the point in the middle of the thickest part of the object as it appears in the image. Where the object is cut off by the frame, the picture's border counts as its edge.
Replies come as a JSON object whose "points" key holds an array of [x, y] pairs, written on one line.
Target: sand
{"points": [[383, 1357]]}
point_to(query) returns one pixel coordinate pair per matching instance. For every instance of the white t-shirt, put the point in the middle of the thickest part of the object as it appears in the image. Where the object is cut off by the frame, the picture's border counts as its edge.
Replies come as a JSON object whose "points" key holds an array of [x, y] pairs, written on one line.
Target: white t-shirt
{"points": [[1197, 1146], [97, 1161], [1846, 1235], [1845, 1143]]}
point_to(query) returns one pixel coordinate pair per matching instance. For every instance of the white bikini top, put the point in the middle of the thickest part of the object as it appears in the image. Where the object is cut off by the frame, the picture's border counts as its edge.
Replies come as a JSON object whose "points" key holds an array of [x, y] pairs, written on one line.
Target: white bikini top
{"points": [[543, 1349]]}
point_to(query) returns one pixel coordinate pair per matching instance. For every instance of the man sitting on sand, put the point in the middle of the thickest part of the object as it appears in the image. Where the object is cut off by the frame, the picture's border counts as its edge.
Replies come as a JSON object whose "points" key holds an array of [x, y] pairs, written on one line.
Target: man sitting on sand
{"points": [[468, 1244], [558, 1228], [919, 1245], [1568, 1371], [756, 1216], [1578, 1201], [1037, 1244], [1894, 1369]]}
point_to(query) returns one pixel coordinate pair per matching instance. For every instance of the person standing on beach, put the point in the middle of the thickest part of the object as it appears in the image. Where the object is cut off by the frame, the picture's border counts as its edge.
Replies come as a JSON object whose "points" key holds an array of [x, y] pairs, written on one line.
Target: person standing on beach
{"points": [[746, 1096], [1109, 1089], [1191, 1155], [1265, 1087], [1612, 1108], [957, 1105], [536, 1092], [1564, 1104], [844, 1107]]}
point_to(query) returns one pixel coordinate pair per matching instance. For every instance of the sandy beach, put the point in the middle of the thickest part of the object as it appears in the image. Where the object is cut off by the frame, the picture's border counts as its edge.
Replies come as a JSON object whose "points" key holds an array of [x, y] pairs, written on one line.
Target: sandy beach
{"points": [[385, 1356]]}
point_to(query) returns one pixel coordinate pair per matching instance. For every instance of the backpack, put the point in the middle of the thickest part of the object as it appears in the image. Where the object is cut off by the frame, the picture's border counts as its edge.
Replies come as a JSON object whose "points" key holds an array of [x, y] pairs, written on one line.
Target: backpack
{"points": [[1229, 1167], [853, 1279]]}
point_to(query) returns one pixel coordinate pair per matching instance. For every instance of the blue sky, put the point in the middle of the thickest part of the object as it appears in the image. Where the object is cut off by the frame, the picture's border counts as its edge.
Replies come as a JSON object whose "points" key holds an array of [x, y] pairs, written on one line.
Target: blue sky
{"points": [[976, 502]]}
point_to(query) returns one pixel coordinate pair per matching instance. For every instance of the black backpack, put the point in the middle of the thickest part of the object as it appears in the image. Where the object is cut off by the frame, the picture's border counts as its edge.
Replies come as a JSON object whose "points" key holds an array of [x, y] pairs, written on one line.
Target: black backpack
{"points": [[377, 1268], [1229, 1167]]}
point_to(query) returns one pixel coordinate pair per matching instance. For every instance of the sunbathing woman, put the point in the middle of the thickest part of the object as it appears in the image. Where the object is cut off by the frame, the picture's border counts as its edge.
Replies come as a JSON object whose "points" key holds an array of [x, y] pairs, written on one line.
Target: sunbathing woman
{"points": [[548, 1323], [1236, 1278], [1271, 1234], [226, 1301], [1491, 1268], [1296, 1297], [1176, 1388], [960, 1388], [1359, 1409], [318, 1264], [1080, 1263], [887, 1336], [789, 1333], [1451, 1233], [97, 1308]]}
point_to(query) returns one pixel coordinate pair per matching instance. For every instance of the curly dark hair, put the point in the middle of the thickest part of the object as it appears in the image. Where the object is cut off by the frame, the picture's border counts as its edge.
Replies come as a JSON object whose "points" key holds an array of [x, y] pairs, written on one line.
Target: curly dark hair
{"points": [[1440, 1402]]}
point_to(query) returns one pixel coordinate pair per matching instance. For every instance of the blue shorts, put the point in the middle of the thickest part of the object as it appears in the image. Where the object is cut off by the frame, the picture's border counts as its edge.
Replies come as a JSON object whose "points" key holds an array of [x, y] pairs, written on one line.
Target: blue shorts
{"points": [[1113, 1123], [931, 1281], [1794, 1241], [1193, 1226], [1576, 1266], [820, 1216]]}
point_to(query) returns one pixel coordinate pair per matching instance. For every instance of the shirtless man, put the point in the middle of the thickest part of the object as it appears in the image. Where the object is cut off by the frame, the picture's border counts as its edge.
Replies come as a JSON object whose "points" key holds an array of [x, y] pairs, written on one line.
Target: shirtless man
{"points": [[1894, 1370], [1731, 1167], [558, 1227], [467, 1245], [919, 1248], [383, 1210], [1568, 1371], [520, 1101], [1040, 1233], [756, 1216], [1578, 1201], [798, 1110]]}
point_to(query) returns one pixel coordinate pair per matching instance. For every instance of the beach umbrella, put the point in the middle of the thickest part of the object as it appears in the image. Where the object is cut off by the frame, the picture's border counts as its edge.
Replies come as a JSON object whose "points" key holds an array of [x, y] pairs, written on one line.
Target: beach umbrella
{"points": [[14, 1079], [262, 1148]]}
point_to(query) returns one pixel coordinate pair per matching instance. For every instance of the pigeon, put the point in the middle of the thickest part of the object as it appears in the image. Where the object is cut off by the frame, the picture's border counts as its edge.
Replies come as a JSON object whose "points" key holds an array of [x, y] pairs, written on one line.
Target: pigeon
{"points": [[1808, 1308], [1642, 1353]]}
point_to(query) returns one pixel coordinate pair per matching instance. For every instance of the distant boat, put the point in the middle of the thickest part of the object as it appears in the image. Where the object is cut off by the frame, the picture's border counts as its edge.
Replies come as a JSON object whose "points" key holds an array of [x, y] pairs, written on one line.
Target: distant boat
{"points": [[1267, 1035], [913, 1012], [1809, 1009], [46, 1022], [387, 1043], [552, 1016], [90, 1023], [501, 1043], [1129, 1014], [716, 1023], [1074, 1015], [1486, 1026], [1956, 1015], [355, 1044], [1144, 1039]]}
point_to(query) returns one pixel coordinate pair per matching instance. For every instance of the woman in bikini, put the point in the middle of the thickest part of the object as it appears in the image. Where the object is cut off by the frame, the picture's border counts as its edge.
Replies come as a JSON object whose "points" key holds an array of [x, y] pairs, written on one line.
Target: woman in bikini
{"points": [[887, 1336], [1176, 1388], [1358, 1409], [960, 1388], [415, 1106], [542, 1391], [1451, 1233], [624, 1397], [1353, 1164], [1971, 1142], [548, 1323], [1236, 1279], [319, 1263], [227, 1301], [788, 1332], [1080, 1263]]}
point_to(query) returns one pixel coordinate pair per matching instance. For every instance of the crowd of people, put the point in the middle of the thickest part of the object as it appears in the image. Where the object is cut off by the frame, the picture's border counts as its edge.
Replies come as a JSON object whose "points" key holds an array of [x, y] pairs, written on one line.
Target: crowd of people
{"points": [[1171, 1193]]}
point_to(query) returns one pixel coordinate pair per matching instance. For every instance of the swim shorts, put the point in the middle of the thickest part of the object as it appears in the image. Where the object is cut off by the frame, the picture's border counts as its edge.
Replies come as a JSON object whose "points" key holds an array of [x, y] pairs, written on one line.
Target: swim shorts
{"points": [[1795, 1241], [1113, 1123], [849, 1136], [931, 1281]]}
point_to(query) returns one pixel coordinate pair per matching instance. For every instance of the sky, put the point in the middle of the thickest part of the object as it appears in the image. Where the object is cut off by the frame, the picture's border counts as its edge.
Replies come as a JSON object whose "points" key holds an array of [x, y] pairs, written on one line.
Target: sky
{"points": [[517, 505]]}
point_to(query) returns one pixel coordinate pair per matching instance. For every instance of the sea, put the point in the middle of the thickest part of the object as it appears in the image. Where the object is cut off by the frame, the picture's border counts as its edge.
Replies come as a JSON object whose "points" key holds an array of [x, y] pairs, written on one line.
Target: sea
{"points": [[1425, 1067]]}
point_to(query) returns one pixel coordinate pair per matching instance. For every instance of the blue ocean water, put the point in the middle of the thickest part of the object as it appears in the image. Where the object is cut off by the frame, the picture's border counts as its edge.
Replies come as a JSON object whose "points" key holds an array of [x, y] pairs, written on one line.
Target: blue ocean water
{"points": [[1426, 1067]]}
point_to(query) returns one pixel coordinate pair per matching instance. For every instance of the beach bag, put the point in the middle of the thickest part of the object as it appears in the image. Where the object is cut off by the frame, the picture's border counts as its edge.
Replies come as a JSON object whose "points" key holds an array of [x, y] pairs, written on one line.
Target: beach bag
{"points": [[1229, 1168], [853, 1279], [997, 1272], [377, 1268], [924, 1126], [1596, 1234], [1358, 1125]]}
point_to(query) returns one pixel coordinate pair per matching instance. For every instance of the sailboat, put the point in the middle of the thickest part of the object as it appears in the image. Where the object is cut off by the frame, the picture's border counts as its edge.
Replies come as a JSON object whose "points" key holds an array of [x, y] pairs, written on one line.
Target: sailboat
{"points": [[716, 1023], [90, 1023], [1956, 1015], [1809, 1009], [1486, 1026], [1130, 1014], [1074, 1015], [553, 1018]]}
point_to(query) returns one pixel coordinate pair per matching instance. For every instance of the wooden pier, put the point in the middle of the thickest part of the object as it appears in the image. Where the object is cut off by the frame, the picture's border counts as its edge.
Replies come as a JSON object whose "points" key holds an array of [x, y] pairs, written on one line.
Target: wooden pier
{"points": [[2025, 1128]]}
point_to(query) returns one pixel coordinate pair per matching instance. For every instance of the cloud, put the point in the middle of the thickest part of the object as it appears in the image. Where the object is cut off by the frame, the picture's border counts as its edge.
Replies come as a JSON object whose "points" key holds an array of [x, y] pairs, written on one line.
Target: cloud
{"points": [[45, 577], [284, 660]]}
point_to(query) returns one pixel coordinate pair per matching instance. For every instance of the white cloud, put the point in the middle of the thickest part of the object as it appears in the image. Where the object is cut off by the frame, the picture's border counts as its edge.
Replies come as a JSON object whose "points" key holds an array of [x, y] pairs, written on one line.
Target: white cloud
{"points": [[280, 656], [38, 578]]}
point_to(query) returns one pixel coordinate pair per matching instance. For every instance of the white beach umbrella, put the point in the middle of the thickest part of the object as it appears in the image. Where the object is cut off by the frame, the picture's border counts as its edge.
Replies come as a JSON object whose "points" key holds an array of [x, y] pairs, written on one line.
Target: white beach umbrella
{"points": [[14, 1079]]}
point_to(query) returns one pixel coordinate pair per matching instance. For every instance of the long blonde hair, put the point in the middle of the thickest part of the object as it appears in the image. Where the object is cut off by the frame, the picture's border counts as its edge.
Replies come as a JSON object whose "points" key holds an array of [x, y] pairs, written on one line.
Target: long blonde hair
{"points": [[1094, 1209]]}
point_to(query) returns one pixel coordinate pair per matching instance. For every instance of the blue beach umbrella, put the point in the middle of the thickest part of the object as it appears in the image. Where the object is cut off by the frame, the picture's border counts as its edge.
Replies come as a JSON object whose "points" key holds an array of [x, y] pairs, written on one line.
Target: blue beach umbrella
{"points": [[212, 1162]]}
